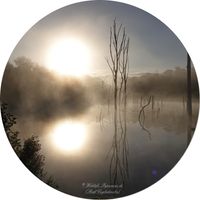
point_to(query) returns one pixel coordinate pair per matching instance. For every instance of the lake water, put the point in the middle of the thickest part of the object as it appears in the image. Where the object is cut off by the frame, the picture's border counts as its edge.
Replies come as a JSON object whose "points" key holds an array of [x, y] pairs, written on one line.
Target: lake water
{"points": [[106, 164]]}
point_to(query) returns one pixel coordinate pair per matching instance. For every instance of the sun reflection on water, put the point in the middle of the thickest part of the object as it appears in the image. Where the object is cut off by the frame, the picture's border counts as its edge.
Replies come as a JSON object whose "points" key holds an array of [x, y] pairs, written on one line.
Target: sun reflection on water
{"points": [[69, 136]]}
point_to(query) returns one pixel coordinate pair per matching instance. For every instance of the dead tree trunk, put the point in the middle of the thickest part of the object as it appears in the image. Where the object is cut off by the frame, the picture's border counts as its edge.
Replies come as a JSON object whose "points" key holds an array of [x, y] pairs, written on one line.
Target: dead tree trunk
{"points": [[118, 48], [189, 100], [152, 103], [141, 117]]}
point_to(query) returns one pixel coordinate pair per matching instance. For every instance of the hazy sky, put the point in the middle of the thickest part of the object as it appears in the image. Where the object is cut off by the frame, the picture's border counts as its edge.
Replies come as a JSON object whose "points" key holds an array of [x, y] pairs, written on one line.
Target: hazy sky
{"points": [[153, 47]]}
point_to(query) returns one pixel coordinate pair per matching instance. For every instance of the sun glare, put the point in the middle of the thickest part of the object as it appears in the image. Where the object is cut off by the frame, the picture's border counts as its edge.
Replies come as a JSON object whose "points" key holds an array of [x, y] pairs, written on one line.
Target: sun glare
{"points": [[69, 136], [69, 57]]}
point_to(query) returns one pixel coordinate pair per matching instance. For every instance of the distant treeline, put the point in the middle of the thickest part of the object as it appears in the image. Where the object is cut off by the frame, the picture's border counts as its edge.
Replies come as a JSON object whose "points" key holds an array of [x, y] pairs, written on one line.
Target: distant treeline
{"points": [[30, 89], [170, 83]]}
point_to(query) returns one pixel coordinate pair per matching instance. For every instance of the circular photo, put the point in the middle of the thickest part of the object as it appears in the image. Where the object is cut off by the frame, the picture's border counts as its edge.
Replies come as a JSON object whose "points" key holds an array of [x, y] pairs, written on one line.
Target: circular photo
{"points": [[99, 100]]}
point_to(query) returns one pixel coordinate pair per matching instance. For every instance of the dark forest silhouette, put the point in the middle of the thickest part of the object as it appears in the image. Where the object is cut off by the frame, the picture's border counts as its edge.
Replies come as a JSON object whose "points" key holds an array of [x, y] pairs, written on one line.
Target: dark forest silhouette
{"points": [[27, 151]]}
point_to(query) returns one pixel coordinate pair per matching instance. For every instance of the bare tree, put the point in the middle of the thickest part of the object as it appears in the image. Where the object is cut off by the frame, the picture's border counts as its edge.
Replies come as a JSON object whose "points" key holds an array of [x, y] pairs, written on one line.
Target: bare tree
{"points": [[124, 70], [115, 48], [118, 64]]}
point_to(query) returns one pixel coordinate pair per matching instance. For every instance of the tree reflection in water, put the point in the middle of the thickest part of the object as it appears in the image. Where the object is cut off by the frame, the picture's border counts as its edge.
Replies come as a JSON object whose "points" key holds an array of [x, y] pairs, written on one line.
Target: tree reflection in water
{"points": [[119, 66]]}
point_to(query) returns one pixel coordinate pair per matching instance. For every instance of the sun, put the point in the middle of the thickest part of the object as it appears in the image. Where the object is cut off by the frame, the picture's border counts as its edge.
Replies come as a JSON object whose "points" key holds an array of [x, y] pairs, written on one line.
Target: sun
{"points": [[69, 136], [69, 57]]}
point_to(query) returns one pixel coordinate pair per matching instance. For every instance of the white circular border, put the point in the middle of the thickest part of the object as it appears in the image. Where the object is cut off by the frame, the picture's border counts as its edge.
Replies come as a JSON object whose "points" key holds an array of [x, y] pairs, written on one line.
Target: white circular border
{"points": [[16, 17]]}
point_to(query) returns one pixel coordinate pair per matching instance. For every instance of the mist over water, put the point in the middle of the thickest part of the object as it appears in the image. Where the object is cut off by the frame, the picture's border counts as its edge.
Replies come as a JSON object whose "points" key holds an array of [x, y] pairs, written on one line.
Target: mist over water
{"points": [[149, 158], [99, 100], [42, 102]]}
